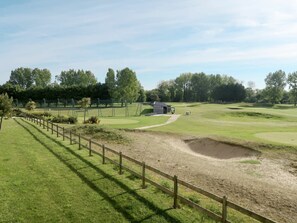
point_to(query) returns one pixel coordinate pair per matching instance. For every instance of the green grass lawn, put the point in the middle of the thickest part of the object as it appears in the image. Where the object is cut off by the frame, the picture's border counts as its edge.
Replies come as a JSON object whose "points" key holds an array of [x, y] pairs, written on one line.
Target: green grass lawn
{"points": [[275, 125], [47, 180]]}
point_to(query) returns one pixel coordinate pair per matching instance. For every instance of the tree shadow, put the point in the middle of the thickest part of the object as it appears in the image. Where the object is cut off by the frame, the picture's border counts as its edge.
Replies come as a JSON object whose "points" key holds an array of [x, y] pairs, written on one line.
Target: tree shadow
{"points": [[92, 185]]}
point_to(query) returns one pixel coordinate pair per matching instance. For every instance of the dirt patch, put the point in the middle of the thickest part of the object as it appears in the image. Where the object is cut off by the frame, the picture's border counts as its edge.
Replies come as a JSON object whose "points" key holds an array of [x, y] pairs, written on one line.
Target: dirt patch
{"points": [[220, 150], [268, 188]]}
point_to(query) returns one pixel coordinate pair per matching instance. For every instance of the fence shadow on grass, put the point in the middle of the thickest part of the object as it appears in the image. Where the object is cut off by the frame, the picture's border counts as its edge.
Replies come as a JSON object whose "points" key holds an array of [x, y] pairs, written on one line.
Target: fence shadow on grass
{"points": [[93, 186]]}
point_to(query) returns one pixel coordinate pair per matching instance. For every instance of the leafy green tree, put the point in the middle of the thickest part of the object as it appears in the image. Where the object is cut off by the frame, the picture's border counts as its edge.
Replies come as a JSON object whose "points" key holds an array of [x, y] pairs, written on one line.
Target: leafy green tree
{"points": [[110, 82], [164, 91], [42, 77], [31, 105], [5, 106], [200, 86], [229, 93], [275, 84], [292, 81], [22, 77], [85, 103], [76, 78], [127, 85], [152, 95], [183, 87], [142, 95]]}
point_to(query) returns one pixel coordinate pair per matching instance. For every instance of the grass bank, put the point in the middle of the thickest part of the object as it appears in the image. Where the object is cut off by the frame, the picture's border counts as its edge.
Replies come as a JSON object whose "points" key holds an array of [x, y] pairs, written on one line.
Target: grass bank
{"points": [[46, 180]]}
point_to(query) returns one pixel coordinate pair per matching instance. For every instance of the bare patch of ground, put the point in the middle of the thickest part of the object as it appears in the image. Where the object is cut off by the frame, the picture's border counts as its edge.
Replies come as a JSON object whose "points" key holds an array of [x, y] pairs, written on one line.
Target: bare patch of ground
{"points": [[220, 150], [268, 188]]}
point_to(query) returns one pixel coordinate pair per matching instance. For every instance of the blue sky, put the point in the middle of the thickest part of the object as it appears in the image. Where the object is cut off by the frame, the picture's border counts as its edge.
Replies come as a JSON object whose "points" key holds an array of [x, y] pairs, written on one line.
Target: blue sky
{"points": [[158, 39]]}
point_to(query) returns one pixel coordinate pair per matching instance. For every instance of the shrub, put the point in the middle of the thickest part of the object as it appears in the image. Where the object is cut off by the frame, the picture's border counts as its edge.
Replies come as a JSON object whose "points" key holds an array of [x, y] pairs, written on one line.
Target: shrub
{"points": [[30, 106], [92, 120], [17, 112], [64, 119]]}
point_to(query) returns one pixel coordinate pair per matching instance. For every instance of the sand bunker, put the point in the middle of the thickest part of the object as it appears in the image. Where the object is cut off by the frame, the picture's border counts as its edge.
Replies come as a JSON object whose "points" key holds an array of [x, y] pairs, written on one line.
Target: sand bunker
{"points": [[220, 150]]}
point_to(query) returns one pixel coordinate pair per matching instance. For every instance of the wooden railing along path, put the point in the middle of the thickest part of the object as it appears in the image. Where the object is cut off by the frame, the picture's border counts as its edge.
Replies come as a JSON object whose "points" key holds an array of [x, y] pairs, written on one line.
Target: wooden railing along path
{"points": [[77, 139]]}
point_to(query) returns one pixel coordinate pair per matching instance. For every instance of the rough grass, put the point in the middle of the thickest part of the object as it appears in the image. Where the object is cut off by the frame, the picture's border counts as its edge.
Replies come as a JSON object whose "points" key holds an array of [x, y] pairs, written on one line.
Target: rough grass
{"points": [[106, 134], [254, 115]]}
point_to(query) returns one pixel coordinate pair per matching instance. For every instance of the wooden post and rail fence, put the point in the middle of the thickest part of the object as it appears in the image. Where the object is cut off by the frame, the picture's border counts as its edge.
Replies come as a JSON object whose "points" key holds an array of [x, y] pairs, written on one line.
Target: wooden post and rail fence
{"points": [[176, 182]]}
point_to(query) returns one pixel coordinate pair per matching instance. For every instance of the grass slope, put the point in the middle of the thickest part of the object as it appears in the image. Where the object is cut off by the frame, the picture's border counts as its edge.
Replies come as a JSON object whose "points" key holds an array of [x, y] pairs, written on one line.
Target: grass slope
{"points": [[46, 180], [235, 121]]}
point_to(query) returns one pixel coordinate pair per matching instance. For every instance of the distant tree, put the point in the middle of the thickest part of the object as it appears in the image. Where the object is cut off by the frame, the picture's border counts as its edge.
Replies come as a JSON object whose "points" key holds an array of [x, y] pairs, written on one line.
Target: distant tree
{"points": [[76, 78], [42, 78], [5, 107], [200, 86], [22, 77], [84, 103], [275, 84], [142, 95], [110, 82], [292, 81], [164, 91], [152, 95], [31, 105], [127, 86], [229, 93], [183, 87]]}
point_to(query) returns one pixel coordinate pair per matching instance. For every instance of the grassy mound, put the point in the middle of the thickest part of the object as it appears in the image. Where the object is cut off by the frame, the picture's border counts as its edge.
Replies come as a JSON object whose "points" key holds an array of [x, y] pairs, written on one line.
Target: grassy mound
{"points": [[254, 115], [106, 134]]}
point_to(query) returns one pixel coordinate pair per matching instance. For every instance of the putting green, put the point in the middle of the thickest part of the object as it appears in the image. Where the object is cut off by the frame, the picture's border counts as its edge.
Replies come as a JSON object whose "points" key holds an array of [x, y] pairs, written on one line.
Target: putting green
{"points": [[109, 121], [280, 137]]}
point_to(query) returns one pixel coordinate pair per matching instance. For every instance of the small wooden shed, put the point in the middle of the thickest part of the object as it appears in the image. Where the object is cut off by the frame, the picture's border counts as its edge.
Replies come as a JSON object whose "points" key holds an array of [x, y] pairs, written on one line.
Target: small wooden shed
{"points": [[161, 108]]}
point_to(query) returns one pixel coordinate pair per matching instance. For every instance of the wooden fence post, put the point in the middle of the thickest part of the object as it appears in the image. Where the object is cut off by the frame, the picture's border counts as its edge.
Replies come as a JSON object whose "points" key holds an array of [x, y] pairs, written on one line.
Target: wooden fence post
{"points": [[70, 137], [52, 128], [175, 191], [40, 122], [143, 175], [103, 154], [121, 164], [47, 125], [224, 210], [57, 130], [63, 133], [43, 123], [79, 141], [90, 147]]}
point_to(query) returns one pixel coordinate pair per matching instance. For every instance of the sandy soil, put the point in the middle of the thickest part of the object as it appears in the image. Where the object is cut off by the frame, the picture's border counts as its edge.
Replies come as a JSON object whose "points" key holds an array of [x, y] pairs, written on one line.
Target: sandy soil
{"points": [[268, 188]]}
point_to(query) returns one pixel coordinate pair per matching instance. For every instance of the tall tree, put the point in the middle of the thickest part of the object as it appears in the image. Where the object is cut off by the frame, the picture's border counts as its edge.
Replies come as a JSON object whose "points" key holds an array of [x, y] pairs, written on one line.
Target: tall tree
{"points": [[183, 87], [200, 86], [22, 77], [110, 82], [229, 93], [292, 81], [78, 78], [164, 91], [275, 84], [42, 77], [127, 85], [5, 106]]}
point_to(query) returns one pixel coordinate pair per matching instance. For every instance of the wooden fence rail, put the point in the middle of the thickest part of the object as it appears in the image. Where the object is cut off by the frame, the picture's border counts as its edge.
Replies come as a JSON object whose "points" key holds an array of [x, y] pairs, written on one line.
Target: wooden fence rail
{"points": [[176, 182]]}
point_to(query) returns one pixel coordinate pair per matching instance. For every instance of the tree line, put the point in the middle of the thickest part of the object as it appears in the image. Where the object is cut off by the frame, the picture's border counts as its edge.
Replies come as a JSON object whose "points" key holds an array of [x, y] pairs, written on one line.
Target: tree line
{"points": [[200, 87], [35, 84], [123, 86]]}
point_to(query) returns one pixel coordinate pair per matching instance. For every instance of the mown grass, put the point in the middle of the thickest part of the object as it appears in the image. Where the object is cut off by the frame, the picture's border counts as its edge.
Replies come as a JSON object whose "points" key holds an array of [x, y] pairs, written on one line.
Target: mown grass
{"points": [[239, 125], [241, 122], [47, 180]]}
